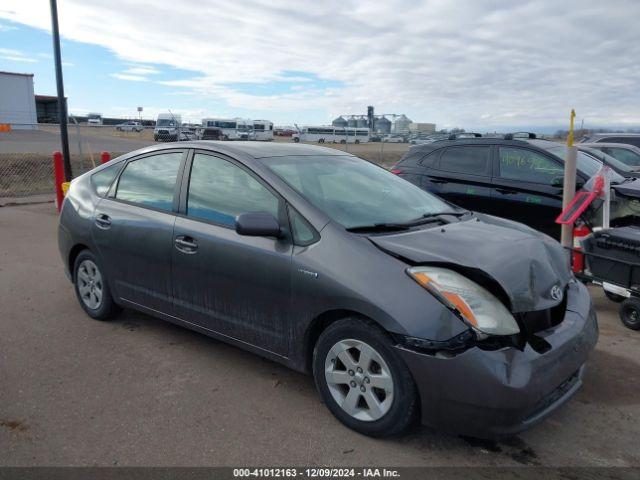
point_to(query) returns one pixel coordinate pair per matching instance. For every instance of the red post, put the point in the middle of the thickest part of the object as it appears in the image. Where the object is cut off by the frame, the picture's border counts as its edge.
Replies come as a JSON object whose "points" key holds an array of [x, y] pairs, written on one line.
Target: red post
{"points": [[105, 157], [58, 178]]}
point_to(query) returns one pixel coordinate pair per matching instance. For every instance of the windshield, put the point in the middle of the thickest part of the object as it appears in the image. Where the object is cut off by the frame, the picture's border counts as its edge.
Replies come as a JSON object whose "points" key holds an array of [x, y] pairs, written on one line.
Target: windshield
{"points": [[586, 163], [165, 122], [354, 192]]}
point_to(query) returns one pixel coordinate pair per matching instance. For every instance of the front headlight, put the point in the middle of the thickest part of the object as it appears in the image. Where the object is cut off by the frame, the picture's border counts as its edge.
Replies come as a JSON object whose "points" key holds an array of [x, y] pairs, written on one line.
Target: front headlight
{"points": [[475, 304]]}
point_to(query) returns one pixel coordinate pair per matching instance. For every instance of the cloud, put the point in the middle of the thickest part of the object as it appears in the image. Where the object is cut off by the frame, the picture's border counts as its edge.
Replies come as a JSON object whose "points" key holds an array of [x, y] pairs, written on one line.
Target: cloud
{"points": [[474, 63], [15, 56], [132, 78]]}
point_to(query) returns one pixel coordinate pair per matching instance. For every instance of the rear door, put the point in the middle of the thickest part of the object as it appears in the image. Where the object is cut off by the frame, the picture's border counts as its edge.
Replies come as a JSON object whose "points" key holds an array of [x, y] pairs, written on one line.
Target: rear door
{"points": [[523, 187], [462, 175], [133, 229], [234, 285]]}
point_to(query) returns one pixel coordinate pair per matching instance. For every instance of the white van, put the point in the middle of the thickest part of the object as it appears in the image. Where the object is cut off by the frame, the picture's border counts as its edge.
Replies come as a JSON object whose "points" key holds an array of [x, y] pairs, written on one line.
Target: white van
{"points": [[168, 128]]}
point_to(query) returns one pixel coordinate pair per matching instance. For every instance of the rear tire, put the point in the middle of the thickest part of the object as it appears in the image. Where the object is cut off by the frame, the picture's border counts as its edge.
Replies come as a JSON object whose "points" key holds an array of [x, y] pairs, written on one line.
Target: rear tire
{"points": [[630, 313], [92, 288], [362, 380]]}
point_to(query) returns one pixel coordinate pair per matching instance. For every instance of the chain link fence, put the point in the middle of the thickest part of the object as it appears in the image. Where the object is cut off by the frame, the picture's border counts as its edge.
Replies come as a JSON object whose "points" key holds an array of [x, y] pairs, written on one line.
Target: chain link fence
{"points": [[26, 155], [26, 161]]}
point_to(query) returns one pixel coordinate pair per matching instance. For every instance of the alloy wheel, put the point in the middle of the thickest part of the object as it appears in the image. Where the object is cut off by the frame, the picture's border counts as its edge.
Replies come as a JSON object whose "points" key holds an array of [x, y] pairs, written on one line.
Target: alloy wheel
{"points": [[90, 284], [359, 380]]}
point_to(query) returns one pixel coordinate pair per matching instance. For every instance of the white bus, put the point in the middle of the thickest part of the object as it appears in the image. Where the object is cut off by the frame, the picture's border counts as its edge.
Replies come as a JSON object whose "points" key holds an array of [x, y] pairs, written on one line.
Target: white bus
{"points": [[324, 134], [227, 126], [262, 130]]}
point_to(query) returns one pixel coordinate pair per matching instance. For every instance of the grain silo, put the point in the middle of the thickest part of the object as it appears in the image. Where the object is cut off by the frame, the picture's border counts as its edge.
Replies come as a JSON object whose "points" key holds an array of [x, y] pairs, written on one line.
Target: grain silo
{"points": [[382, 125], [401, 124], [361, 122], [352, 122], [339, 122]]}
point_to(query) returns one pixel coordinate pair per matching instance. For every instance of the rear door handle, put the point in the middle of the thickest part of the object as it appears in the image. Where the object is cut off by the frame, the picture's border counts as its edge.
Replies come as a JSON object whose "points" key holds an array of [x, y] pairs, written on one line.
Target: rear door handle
{"points": [[103, 221], [437, 180], [506, 191], [186, 244]]}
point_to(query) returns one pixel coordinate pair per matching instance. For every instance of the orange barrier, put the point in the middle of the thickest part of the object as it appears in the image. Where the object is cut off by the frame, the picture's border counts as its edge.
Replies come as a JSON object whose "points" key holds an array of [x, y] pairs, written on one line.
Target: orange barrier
{"points": [[5, 127]]}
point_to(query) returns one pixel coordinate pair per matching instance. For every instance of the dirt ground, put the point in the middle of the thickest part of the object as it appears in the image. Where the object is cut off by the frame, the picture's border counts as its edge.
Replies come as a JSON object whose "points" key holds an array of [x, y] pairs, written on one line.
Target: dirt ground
{"points": [[139, 391]]}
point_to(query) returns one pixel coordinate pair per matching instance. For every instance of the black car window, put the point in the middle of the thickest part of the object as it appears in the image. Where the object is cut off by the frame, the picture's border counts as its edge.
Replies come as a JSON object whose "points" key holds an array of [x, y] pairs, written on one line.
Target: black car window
{"points": [[102, 180], [527, 166], [219, 191], [150, 180], [472, 159], [429, 160]]}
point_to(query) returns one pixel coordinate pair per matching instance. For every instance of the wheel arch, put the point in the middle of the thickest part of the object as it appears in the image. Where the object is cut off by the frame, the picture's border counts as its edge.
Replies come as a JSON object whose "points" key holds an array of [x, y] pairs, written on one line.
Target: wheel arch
{"points": [[73, 254], [320, 323]]}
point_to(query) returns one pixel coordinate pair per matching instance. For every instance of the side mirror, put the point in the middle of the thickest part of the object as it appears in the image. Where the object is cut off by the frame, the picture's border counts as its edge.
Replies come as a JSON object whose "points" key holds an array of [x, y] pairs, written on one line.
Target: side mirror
{"points": [[257, 224]]}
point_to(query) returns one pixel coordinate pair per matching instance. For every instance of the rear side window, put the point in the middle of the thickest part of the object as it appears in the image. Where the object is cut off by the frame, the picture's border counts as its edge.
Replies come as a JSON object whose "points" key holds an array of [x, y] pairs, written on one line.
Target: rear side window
{"points": [[102, 180], [150, 181], [473, 160], [628, 157], [628, 140], [528, 166], [219, 191]]}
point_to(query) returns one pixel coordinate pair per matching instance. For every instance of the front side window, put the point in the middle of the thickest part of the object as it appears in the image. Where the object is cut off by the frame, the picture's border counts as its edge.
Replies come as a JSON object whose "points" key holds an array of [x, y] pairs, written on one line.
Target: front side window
{"points": [[219, 191], [528, 166], [354, 192], [473, 160], [150, 181]]}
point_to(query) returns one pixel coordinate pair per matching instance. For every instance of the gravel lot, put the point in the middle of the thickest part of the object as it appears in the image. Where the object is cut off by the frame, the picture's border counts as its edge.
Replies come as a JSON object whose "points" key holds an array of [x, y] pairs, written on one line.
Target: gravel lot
{"points": [[138, 391]]}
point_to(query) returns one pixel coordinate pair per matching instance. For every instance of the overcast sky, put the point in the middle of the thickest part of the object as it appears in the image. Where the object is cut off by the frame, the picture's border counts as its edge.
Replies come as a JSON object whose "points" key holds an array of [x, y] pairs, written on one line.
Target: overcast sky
{"points": [[480, 64]]}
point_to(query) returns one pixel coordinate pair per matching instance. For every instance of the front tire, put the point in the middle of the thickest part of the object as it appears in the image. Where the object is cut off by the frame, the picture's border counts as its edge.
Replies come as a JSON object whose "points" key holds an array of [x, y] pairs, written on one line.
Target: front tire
{"points": [[362, 380], [92, 288]]}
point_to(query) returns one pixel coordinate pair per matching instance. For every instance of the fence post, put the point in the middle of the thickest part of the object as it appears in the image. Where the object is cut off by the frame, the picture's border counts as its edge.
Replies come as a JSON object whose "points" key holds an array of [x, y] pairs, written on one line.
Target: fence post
{"points": [[58, 178], [105, 157]]}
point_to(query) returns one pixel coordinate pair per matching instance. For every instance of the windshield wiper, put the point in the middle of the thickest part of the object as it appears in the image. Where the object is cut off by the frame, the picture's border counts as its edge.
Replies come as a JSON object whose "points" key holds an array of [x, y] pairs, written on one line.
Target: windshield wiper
{"points": [[379, 227]]}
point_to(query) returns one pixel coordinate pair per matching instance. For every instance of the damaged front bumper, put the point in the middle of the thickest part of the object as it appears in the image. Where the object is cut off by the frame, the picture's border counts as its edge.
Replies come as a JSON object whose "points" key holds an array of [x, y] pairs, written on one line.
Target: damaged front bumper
{"points": [[501, 392]]}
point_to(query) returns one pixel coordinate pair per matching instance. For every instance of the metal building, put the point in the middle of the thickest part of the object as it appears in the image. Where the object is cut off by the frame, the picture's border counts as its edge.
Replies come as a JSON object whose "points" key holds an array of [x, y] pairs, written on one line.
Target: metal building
{"points": [[17, 101], [352, 122]]}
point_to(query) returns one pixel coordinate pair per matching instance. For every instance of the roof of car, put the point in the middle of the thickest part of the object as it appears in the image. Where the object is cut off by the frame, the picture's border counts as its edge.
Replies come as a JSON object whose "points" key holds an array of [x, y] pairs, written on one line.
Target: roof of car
{"points": [[469, 141], [257, 149]]}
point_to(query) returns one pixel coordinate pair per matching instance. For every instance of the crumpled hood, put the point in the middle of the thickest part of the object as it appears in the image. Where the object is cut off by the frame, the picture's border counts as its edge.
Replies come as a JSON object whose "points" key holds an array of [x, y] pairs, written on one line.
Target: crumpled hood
{"points": [[526, 264]]}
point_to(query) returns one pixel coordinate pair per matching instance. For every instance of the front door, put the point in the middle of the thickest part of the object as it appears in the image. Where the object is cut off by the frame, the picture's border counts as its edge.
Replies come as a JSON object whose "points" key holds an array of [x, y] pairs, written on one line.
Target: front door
{"points": [[234, 285], [525, 188], [133, 230]]}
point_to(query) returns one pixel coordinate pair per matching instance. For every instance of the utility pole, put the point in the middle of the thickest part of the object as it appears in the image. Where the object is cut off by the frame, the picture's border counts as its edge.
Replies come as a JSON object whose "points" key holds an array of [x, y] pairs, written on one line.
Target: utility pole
{"points": [[569, 184], [62, 104]]}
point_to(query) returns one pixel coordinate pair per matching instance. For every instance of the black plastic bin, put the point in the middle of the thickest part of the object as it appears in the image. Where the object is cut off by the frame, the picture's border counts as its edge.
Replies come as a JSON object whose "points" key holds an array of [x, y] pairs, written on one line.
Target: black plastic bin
{"points": [[621, 246]]}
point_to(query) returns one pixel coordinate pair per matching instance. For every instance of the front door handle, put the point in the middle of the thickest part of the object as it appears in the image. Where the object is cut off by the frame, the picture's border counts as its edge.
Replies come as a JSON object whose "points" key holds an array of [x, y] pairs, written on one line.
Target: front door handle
{"points": [[103, 221], [186, 244], [506, 191]]}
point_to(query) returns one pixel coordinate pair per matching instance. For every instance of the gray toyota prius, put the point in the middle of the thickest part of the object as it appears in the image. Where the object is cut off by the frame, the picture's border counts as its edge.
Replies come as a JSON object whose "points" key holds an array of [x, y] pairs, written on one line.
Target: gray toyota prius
{"points": [[401, 305]]}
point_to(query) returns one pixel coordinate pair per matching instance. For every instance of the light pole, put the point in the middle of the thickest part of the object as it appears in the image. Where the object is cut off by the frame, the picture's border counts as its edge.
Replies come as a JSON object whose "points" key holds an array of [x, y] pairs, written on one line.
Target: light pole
{"points": [[62, 105]]}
